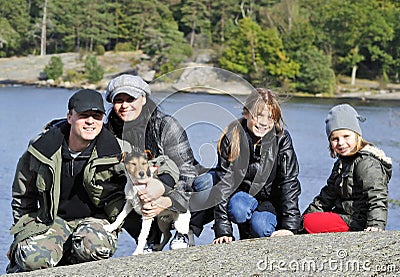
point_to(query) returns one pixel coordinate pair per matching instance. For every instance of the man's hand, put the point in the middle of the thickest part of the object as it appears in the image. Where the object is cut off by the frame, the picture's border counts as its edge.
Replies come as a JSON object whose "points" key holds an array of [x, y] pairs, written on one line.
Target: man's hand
{"points": [[153, 208], [223, 239]]}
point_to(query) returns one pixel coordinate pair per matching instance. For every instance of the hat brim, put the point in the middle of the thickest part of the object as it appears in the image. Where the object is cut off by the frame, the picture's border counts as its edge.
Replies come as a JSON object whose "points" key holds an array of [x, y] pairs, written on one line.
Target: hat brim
{"points": [[127, 90], [88, 108]]}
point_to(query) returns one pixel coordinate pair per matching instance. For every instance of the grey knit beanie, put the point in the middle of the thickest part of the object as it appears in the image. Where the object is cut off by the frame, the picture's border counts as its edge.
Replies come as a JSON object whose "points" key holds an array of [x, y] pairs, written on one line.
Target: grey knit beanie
{"points": [[343, 116], [129, 84]]}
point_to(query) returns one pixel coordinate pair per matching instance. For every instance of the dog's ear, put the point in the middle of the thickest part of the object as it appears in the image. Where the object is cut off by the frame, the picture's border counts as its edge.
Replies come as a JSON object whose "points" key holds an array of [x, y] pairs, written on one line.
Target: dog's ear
{"points": [[149, 155], [148, 172]]}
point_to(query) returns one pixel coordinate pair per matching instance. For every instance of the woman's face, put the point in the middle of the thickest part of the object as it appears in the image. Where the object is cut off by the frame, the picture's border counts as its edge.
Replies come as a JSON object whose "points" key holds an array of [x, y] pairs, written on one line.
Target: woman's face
{"points": [[260, 122], [127, 107], [343, 142]]}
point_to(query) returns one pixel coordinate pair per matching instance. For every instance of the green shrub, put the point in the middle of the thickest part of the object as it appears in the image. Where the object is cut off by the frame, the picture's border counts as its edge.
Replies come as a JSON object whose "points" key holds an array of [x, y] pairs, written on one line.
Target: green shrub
{"points": [[93, 71], [100, 50], [54, 69], [73, 76], [123, 46]]}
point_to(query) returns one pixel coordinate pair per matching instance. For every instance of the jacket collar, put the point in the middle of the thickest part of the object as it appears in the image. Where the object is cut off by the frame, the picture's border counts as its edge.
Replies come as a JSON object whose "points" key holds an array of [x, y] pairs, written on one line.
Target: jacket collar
{"points": [[52, 138], [377, 153]]}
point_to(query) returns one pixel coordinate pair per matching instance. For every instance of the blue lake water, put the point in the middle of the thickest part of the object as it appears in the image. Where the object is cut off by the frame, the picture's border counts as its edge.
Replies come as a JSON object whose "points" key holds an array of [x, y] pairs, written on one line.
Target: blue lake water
{"points": [[25, 110]]}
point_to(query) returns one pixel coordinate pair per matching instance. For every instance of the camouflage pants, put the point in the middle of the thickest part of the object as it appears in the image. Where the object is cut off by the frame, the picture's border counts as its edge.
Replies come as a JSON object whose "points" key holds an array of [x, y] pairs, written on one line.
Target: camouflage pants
{"points": [[66, 242]]}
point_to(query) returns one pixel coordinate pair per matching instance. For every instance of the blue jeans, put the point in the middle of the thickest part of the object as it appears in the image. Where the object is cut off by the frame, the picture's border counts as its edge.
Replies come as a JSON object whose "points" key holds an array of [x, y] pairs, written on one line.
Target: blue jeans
{"points": [[201, 198], [201, 204], [205, 181], [242, 208]]}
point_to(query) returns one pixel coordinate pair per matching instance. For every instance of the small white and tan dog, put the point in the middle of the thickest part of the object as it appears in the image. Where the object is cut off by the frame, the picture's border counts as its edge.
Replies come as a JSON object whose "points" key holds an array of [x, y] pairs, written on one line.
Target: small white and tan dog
{"points": [[140, 175]]}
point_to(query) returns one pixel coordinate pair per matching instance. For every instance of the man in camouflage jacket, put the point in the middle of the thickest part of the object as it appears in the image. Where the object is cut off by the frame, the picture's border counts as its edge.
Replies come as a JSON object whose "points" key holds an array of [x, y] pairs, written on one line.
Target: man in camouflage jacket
{"points": [[68, 184]]}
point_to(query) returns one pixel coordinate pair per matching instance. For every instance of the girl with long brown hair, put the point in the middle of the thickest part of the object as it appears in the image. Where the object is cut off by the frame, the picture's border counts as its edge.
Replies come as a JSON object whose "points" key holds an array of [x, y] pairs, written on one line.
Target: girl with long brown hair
{"points": [[257, 172]]}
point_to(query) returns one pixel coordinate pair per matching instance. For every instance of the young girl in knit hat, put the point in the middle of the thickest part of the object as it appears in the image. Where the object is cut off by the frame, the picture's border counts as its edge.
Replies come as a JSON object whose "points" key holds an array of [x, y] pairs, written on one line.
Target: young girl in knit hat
{"points": [[356, 195]]}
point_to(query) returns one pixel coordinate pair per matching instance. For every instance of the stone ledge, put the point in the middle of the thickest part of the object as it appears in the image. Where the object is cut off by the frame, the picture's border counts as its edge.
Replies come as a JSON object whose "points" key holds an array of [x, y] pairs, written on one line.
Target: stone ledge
{"points": [[335, 254]]}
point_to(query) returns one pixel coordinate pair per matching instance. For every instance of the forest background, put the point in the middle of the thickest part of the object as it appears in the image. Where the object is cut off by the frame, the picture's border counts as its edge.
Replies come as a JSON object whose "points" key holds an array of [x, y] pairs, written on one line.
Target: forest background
{"points": [[306, 46]]}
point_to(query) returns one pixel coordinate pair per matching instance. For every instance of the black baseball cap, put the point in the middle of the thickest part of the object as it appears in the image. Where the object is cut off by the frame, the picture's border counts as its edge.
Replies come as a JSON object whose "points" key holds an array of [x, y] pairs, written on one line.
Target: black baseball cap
{"points": [[86, 100]]}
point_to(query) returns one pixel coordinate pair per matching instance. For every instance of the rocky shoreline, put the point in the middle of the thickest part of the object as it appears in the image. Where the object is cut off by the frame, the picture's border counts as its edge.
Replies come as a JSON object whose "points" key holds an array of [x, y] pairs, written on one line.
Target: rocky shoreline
{"points": [[192, 77]]}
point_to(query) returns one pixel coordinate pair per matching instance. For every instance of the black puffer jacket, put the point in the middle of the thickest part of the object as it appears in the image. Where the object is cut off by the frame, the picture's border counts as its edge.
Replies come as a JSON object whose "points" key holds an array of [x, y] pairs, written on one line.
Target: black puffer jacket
{"points": [[272, 179], [357, 189]]}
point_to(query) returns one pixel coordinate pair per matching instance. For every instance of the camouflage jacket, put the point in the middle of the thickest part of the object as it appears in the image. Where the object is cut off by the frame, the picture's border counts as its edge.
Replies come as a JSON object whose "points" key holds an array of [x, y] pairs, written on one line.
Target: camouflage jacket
{"points": [[36, 186]]}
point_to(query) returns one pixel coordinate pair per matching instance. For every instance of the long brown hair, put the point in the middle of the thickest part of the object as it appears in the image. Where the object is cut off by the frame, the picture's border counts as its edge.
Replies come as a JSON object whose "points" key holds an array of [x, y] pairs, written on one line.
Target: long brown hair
{"points": [[255, 102]]}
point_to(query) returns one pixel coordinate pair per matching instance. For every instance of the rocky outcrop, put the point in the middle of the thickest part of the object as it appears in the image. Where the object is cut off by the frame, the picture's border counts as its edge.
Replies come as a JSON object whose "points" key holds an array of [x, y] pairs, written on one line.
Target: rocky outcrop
{"points": [[202, 77], [335, 254]]}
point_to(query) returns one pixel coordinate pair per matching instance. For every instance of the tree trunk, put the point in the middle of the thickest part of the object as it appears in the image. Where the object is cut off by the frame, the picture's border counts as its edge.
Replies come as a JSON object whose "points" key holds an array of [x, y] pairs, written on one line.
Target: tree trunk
{"points": [[222, 38], [242, 9], [193, 33], [353, 75], [44, 27], [253, 56]]}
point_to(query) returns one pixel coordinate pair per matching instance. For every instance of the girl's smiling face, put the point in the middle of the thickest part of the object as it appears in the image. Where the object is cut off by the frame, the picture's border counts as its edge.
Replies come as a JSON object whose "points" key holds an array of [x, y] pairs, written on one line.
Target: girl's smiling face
{"points": [[259, 122], [343, 142]]}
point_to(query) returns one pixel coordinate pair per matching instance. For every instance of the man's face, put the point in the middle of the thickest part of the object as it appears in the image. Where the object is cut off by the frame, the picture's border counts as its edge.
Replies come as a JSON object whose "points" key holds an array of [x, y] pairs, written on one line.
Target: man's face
{"points": [[85, 126]]}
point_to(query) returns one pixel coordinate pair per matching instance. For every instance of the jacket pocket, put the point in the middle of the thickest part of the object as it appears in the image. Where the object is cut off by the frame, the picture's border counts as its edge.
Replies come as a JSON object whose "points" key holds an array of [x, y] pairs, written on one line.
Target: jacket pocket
{"points": [[284, 164], [27, 226]]}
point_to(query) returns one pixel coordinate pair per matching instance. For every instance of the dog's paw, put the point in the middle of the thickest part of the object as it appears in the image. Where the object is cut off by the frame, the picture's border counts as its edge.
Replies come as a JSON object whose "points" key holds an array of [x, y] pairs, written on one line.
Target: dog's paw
{"points": [[109, 228]]}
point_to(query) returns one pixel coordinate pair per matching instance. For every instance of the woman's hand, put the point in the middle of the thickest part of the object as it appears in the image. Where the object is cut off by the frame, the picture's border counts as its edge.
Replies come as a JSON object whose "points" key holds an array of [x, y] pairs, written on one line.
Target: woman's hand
{"points": [[281, 233], [153, 208], [223, 239], [152, 191]]}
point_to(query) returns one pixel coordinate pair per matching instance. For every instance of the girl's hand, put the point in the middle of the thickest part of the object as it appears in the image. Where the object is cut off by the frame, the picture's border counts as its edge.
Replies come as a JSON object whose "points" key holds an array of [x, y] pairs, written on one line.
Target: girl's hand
{"points": [[224, 239], [281, 233], [373, 229]]}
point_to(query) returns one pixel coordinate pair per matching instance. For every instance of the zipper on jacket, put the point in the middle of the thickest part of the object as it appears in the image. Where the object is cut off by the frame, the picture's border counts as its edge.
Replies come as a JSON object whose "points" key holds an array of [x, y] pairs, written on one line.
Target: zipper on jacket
{"points": [[45, 202], [284, 164], [340, 170], [72, 167]]}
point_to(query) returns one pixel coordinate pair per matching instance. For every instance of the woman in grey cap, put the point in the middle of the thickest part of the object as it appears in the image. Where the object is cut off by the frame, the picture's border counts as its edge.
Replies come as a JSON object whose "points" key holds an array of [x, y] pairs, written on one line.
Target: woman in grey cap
{"points": [[137, 121], [356, 195]]}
